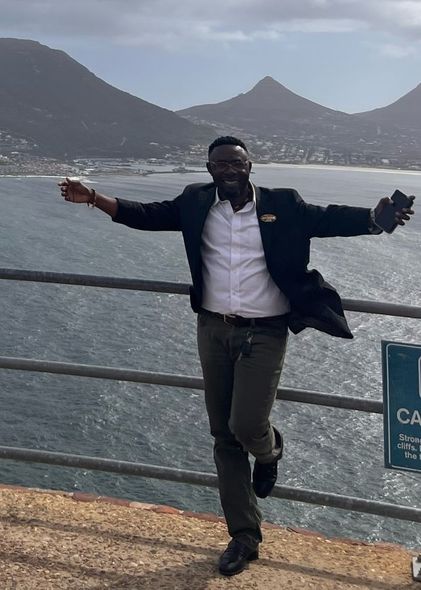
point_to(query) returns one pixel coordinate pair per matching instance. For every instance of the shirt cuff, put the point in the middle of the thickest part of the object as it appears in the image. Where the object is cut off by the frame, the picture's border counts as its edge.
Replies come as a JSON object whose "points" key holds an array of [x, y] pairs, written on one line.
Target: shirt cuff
{"points": [[373, 228]]}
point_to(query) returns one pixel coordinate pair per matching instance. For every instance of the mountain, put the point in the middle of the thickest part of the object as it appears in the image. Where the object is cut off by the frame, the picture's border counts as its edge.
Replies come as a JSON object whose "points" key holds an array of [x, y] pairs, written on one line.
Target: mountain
{"points": [[404, 113], [289, 127], [61, 108], [50, 105], [268, 108]]}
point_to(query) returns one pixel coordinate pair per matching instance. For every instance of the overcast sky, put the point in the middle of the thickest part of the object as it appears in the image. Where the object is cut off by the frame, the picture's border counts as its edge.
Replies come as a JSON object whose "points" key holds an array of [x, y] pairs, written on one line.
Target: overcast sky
{"points": [[351, 55]]}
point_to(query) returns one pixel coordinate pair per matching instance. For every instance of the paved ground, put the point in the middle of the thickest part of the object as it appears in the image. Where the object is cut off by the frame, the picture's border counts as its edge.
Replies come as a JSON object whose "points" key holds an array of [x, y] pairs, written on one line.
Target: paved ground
{"points": [[49, 541]]}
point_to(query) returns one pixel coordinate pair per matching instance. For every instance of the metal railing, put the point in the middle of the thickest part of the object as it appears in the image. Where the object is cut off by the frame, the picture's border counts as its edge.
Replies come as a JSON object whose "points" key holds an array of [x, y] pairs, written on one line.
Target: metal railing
{"points": [[179, 475], [393, 309]]}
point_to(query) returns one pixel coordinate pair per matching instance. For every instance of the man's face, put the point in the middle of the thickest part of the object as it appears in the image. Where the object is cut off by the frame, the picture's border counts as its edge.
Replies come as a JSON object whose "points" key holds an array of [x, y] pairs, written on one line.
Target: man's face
{"points": [[230, 168]]}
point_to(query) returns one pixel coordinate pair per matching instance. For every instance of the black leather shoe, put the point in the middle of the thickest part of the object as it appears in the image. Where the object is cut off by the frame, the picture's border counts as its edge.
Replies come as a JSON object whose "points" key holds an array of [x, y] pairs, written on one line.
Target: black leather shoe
{"points": [[264, 478], [265, 474], [235, 557]]}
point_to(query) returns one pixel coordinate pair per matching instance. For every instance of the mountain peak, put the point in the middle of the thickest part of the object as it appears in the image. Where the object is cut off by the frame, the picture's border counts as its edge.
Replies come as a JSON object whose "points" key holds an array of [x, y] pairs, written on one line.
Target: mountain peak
{"points": [[15, 43], [404, 112], [95, 118], [268, 108], [267, 80], [267, 84]]}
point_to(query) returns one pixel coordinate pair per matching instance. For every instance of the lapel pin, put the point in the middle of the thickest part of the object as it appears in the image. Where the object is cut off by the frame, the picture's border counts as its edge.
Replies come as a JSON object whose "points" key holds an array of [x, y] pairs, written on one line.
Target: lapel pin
{"points": [[268, 218]]}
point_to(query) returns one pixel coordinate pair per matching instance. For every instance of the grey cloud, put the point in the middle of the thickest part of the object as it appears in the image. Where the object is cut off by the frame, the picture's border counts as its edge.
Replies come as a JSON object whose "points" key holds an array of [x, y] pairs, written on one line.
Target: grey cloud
{"points": [[173, 24]]}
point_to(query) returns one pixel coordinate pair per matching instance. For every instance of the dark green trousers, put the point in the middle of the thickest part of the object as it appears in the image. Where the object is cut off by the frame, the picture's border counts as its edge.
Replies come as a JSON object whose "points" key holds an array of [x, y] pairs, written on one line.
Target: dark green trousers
{"points": [[240, 388]]}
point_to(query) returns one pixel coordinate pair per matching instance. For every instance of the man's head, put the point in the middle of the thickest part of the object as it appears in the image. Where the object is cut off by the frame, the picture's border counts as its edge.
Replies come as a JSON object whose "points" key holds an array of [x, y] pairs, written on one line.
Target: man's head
{"points": [[229, 165]]}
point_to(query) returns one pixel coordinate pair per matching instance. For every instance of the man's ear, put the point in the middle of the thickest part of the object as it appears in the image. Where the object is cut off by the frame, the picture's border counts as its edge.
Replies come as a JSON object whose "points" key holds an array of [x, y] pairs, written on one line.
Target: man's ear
{"points": [[250, 166], [208, 167]]}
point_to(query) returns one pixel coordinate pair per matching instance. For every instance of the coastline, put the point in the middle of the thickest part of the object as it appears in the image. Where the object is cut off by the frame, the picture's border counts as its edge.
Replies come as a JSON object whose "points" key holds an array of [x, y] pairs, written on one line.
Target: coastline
{"points": [[323, 167], [326, 167]]}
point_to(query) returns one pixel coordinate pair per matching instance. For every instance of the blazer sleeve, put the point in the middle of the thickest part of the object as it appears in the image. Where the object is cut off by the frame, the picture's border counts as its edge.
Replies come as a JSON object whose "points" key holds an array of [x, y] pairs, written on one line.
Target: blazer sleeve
{"points": [[333, 220], [159, 216]]}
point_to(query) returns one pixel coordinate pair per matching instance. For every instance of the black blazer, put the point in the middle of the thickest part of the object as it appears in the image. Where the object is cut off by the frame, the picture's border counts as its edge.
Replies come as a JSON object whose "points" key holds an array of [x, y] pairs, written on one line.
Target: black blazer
{"points": [[286, 231]]}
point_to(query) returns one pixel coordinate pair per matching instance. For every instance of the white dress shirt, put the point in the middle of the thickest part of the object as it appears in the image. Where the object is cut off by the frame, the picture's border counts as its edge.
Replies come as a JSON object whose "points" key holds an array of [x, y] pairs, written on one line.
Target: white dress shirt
{"points": [[235, 276]]}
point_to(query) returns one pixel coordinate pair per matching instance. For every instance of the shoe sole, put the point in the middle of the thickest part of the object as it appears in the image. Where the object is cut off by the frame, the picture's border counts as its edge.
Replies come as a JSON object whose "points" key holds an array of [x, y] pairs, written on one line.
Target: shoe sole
{"points": [[263, 495], [252, 557]]}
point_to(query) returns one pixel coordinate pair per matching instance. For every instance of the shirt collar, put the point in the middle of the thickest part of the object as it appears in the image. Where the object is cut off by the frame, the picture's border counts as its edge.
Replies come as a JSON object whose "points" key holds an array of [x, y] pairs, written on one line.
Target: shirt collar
{"points": [[217, 200]]}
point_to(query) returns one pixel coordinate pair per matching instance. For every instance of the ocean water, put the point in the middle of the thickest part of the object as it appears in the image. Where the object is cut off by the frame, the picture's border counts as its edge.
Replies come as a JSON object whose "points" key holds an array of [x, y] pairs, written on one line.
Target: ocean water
{"points": [[326, 449]]}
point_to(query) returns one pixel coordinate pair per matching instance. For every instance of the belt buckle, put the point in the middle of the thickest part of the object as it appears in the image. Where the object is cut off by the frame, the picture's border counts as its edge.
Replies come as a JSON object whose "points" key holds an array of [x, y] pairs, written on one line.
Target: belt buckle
{"points": [[229, 316]]}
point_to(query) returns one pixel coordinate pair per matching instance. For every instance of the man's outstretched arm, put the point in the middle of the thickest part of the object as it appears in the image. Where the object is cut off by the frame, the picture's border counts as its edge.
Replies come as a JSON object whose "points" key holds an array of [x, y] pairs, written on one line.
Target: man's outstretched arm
{"points": [[343, 220], [159, 216]]}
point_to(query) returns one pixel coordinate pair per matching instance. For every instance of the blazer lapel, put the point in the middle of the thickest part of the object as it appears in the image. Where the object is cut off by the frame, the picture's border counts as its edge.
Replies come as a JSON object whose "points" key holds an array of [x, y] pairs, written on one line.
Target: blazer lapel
{"points": [[198, 213], [264, 213], [206, 198]]}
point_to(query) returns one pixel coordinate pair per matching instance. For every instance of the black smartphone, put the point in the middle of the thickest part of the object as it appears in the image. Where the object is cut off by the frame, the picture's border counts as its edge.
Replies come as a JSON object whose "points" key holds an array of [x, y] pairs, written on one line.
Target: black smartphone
{"points": [[386, 218]]}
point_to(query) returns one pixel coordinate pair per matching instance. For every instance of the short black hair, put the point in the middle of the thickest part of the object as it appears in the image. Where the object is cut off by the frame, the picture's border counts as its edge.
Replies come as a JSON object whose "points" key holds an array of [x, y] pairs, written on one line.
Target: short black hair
{"points": [[226, 140]]}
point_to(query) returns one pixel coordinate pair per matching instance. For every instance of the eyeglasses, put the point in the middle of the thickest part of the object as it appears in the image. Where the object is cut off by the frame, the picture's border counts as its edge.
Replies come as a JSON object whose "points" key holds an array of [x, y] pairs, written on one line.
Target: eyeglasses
{"points": [[223, 165]]}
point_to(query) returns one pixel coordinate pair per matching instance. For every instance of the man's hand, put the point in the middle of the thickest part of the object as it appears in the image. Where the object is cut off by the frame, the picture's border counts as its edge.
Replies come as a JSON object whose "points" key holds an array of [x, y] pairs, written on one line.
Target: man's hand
{"points": [[400, 216], [75, 191]]}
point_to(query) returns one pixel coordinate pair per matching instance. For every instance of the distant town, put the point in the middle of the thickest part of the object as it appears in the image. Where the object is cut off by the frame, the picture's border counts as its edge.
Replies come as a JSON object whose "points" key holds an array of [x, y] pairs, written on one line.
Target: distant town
{"points": [[17, 157]]}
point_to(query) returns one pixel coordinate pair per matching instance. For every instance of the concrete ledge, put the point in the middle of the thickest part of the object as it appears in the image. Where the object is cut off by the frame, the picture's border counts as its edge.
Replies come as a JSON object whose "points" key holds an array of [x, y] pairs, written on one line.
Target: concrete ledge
{"points": [[208, 517], [54, 540]]}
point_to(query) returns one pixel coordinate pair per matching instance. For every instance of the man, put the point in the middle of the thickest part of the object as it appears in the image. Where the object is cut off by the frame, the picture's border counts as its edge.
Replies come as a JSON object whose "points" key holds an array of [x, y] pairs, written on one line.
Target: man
{"points": [[248, 249]]}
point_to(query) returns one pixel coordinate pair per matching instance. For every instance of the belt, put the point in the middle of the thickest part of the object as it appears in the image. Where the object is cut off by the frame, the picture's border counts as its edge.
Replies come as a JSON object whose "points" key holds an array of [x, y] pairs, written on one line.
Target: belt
{"points": [[239, 322]]}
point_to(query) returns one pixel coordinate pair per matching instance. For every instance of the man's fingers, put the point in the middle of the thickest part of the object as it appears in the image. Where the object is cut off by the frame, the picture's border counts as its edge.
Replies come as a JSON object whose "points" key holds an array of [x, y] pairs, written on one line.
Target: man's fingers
{"points": [[402, 216]]}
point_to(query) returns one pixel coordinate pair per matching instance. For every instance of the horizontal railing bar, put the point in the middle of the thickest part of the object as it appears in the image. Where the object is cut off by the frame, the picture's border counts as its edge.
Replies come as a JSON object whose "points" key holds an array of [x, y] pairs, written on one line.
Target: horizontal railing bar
{"points": [[347, 503], [94, 281], [332, 400], [174, 380], [381, 308], [208, 479], [358, 305]]}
